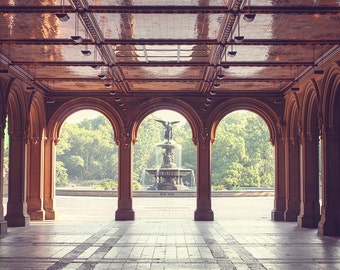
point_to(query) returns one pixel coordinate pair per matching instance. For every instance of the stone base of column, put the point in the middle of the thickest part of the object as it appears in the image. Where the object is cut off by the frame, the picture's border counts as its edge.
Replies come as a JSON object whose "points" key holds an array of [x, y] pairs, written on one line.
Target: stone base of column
{"points": [[306, 221], [125, 215], [49, 215], [278, 215], [204, 215], [328, 227], [3, 226], [290, 216], [18, 221], [37, 215]]}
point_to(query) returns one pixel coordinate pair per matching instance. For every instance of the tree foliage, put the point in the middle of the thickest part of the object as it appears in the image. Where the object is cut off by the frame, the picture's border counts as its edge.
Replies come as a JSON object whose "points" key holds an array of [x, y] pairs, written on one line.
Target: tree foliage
{"points": [[247, 157], [87, 150], [242, 155]]}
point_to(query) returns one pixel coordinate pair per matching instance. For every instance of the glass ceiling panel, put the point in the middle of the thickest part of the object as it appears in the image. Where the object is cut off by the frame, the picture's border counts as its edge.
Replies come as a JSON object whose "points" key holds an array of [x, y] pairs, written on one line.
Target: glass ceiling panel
{"points": [[77, 86], [38, 26], [258, 72], [51, 53], [66, 72], [33, 2], [162, 53], [163, 86], [162, 72], [159, 26], [283, 26], [241, 86], [275, 53]]}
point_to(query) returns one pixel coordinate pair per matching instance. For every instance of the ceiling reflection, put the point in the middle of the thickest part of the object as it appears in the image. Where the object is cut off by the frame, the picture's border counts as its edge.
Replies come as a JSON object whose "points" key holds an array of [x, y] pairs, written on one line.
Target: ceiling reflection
{"points": [[148, 45]]}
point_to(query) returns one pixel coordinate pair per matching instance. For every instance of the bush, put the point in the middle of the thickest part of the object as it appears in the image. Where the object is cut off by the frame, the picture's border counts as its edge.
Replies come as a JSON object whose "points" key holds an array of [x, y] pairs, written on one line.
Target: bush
{"points": [[107, 184], [137, 186], [218, 187]]}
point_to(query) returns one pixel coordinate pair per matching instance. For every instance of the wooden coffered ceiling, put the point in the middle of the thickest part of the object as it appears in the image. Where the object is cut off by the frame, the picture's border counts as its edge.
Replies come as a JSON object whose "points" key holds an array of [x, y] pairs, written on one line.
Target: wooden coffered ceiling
{"points": [[166, 46]]}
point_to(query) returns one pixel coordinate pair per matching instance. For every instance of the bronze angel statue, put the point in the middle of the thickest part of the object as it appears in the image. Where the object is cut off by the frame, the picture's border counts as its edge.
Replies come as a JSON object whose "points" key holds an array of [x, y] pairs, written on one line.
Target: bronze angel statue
{"points": [[168, 128]]}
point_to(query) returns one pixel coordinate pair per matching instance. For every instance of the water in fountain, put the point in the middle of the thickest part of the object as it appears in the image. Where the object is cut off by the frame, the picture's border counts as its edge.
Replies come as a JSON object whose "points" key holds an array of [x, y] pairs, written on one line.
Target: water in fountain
{"points": [[169, 176]]}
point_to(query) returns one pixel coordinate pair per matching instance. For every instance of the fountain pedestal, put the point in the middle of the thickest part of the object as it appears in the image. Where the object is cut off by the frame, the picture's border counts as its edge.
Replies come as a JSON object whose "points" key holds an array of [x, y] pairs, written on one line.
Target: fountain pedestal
{"points": [[168, 176]]}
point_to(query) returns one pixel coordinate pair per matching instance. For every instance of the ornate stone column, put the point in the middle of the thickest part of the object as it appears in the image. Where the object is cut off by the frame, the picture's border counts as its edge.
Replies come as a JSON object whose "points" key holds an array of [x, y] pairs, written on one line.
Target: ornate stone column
{"points": [[330, 214], [49, 178], [292, 179], [35, 179], [309, 168], [3, 222], [125, 211], [16, 207], [203, 210], [280, 189]]}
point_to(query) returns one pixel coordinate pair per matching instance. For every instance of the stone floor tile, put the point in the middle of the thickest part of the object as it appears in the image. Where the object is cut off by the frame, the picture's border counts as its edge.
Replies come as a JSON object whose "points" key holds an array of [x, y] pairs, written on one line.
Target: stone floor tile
{"points": [[163, 237]]}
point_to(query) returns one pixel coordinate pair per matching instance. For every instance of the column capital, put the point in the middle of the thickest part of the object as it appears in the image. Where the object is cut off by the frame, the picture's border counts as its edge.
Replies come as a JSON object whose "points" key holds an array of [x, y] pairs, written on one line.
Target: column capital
{"points": [[125, 139], [279, 136], [330, 132], [308, 137], [204, 138], [54, 140], [35, 140]]}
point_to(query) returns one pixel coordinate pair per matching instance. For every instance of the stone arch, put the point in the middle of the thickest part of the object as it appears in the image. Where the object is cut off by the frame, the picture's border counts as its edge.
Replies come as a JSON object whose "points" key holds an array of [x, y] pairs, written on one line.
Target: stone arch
{"points": [[331, 88], [35, 157], [74, 105], [17, 110], [310, 108], [37, 123], [330, 108], [309, 215], [292, 157], [168, 104], [52, 136], [17, 107], [250, 104], [292, 117]]}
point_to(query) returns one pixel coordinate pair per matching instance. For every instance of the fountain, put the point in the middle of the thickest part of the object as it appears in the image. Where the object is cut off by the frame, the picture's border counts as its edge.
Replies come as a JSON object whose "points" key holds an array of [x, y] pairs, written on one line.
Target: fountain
{"points": [[168, 176]]}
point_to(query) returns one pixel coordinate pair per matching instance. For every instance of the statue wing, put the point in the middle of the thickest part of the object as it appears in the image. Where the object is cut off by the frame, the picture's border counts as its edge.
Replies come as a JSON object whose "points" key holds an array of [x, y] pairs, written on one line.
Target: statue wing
{"points": [[174, 122], [161, 121]]}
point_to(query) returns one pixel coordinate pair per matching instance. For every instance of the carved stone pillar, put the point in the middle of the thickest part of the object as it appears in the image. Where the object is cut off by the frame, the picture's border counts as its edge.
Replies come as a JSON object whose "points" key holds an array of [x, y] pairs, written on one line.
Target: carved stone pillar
{"points": [[309, 168], [125, 211], [16, 207], [35, 179], [203, 210], [3, 222], [280, 189], [330, 214], [49, 178], [292, 179]]}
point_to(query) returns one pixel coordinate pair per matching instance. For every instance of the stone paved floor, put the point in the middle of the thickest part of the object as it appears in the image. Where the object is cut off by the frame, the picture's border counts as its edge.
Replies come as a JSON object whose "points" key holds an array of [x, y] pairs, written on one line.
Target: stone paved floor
{"points": [[165, 236]]}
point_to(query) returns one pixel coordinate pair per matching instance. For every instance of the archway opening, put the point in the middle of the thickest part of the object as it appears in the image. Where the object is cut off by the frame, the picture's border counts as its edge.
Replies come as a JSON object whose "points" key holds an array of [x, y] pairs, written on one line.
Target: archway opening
{"points": [[86, 156], [164, 159], [243, 162]]}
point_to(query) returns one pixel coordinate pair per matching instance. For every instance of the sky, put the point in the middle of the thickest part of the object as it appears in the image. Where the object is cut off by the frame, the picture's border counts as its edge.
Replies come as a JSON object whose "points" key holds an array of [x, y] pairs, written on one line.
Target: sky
{"points": [[165, 115]]}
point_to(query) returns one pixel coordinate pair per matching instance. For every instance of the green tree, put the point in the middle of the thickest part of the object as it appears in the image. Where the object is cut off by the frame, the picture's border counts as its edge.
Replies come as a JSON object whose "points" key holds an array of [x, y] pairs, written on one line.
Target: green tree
{"points": [[259, 150], [61, 175], [228, 157], [87, 149], [242, 154]]}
